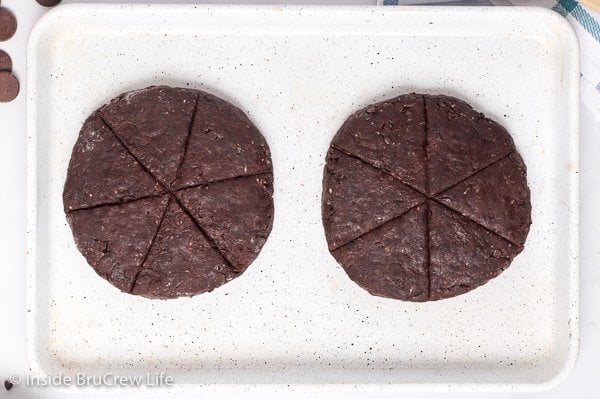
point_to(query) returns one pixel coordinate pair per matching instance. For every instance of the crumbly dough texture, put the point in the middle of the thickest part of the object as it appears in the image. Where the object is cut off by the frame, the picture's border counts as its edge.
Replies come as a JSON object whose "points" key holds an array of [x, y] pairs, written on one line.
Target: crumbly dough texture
{"points": [[424, 198], [169, 192]]}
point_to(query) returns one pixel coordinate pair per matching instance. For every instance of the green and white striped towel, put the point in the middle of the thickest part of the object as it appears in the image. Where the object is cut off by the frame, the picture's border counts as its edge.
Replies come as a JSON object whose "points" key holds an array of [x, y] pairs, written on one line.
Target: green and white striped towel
{"points": [[584, 17]]}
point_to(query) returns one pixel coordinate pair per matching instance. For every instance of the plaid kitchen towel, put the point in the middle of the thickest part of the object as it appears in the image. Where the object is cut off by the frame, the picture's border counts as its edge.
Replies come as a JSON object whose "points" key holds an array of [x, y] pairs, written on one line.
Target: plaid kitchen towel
{"points": [[584, 17]]}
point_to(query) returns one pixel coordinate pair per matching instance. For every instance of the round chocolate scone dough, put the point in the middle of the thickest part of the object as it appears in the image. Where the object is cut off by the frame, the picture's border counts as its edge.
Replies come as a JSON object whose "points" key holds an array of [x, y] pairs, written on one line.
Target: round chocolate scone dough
{"points": [[424, 198], [169, 192]]}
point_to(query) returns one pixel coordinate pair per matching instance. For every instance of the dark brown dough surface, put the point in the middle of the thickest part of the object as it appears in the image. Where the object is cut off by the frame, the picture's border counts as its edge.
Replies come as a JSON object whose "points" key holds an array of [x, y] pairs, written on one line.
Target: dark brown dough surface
{"points": [[456, 169], [223, 144], [181, 261], [102, 171], [360, 197], [510, 215], [116, 238], [463, 255], [132, 223], [389, 135], [154, 125], [235, 214], [460, 142], [381, 263]]}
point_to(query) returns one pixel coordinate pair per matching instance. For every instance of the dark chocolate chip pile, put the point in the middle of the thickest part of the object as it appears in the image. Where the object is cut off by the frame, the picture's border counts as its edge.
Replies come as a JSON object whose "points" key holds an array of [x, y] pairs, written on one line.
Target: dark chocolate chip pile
{"points": [[9, 84], [169, 192], [424, 198]]}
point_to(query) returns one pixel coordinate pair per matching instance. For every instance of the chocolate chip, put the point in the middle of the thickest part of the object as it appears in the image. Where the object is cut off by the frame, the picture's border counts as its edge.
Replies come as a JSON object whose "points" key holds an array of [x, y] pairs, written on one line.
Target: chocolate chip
{"points": [[5, 62], [48, 3], [9, 87], [8, 385], [8, 24]]}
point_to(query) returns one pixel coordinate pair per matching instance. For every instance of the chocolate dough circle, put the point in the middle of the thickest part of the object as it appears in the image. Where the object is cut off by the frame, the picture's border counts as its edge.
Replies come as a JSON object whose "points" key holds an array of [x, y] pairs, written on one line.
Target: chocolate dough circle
{"points": [[169, 192], [424, 198]]}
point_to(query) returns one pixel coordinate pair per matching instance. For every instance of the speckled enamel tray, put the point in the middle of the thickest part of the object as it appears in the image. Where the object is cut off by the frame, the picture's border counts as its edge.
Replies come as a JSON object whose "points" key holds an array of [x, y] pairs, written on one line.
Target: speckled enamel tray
{"points": [[294, 319]]}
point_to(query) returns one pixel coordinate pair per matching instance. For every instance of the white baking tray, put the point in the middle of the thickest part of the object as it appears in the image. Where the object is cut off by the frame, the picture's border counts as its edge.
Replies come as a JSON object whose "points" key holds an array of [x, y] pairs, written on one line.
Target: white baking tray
{"points": [[294, 319]]}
